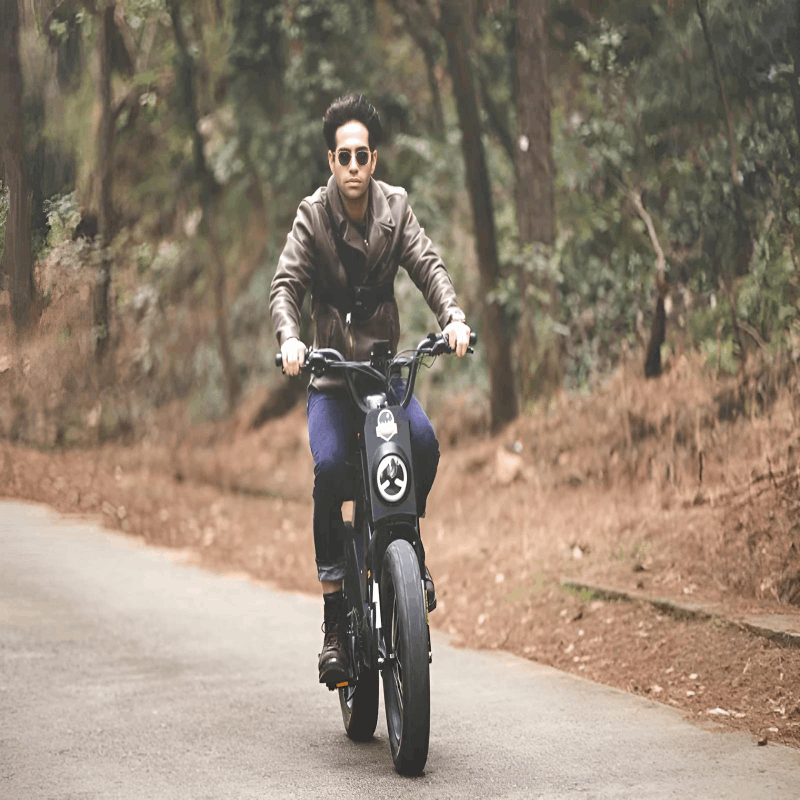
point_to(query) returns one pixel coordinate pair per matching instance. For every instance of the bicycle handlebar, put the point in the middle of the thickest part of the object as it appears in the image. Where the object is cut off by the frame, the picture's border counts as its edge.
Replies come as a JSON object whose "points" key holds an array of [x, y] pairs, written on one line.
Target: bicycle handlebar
{"points": [[318, 361]]}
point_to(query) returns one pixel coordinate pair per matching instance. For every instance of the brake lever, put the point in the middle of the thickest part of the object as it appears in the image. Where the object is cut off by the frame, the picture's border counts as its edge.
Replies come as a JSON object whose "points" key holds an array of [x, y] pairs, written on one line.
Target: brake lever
{"points": [[315, 363]]}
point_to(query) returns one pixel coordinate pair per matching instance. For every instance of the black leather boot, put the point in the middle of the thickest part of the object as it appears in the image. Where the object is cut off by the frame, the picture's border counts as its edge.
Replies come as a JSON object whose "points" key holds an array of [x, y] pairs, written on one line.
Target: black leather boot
{"points": [[333, 666], [430, 590]]}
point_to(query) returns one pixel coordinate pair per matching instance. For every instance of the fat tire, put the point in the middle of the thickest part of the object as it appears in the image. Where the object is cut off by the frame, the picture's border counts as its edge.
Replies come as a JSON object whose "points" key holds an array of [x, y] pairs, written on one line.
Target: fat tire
{"points": [[360, 702], [406, 674], [360, 706]]}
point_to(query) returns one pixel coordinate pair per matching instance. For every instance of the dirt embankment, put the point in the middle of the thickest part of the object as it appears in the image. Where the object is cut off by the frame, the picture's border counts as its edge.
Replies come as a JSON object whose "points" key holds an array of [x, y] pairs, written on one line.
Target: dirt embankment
{"points": [[684, 487]]}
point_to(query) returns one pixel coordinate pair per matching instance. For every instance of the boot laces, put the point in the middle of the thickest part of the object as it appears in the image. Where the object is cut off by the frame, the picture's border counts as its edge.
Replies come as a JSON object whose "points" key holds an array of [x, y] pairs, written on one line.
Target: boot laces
{"points": [[331, 641]]}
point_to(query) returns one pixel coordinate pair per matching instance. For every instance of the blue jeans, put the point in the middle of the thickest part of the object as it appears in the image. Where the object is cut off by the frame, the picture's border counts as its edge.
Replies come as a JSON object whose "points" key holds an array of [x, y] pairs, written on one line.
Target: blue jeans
{"points": [[333, 421]]}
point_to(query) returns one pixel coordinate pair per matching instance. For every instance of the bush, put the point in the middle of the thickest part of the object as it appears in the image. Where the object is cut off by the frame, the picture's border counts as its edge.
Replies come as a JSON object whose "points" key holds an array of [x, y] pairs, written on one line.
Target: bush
{"points": [[63, 216]]}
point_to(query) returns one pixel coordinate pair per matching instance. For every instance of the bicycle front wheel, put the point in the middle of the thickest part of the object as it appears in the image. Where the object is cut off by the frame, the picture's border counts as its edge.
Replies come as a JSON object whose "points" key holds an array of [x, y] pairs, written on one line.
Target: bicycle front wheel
{"points": [[406, 674]]}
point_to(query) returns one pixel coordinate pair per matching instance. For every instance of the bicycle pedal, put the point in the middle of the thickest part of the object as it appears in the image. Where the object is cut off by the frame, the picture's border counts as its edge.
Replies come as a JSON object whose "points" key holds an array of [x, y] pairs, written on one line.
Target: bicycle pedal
{"points": [[335, 683], [335, 678]]}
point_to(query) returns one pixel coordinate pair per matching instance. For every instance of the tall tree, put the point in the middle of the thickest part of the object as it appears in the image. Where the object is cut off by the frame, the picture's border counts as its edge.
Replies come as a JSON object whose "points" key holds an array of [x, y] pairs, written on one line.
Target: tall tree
{"points": [[101, 305], [502, 400], [209, 189], [18, 255], [535, 194]]}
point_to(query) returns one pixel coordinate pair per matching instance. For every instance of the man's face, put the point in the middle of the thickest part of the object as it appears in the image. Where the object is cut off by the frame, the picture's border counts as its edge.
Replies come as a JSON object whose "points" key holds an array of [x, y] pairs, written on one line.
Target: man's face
{"points": [[352, 139]]}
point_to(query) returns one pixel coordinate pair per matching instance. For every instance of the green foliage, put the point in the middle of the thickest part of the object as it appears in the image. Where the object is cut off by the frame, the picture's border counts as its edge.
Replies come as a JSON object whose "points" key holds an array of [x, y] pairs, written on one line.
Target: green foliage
{"points": [[719, 355], [768, 294], [63, 216], [290, 61], [139, 12], [649, 119]]}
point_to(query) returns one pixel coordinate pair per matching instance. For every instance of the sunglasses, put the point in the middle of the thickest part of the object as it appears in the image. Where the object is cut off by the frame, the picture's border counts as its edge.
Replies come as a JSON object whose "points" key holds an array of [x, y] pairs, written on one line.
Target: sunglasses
{"points": [[362, 157]]}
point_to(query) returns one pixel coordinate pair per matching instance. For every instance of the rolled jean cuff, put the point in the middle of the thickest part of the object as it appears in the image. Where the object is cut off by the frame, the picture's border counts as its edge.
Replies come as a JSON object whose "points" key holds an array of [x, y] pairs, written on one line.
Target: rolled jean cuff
{"points": [[331, 572]]}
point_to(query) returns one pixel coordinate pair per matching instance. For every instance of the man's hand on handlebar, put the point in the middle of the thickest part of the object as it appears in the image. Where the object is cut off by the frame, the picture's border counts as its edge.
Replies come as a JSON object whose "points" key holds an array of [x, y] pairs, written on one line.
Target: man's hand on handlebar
{"points": [[293, 355], [457, 335]]}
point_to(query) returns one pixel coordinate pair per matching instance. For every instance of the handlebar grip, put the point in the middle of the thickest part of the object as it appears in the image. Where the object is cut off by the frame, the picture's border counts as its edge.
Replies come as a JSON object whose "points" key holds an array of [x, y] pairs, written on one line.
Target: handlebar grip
{"points": [[473, 339], [278, 360]]}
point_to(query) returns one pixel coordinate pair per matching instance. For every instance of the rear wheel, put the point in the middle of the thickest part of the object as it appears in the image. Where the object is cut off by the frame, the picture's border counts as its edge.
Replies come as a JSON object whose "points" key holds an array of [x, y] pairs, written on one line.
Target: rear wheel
{"points": [[360, 706], [359, 701], [406, 674]]}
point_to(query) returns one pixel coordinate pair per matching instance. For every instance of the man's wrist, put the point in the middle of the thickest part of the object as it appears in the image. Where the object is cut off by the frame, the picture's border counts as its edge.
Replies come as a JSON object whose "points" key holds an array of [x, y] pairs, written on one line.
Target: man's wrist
{"points": [[457, 316]]}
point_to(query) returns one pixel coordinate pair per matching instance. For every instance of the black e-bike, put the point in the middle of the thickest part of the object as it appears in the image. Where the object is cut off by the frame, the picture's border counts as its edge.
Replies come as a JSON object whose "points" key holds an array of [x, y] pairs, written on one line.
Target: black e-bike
{"points": [[385, 628]]}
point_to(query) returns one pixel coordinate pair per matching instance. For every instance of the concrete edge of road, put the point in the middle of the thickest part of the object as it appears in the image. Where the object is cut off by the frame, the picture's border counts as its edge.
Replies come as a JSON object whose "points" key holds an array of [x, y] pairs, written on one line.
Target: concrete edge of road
{"points": [[781, 628]]}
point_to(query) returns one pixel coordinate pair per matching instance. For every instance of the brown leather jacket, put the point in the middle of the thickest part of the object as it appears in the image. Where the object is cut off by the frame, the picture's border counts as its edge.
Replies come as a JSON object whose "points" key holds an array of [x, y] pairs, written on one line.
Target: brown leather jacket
{"points": [[310, 260]]}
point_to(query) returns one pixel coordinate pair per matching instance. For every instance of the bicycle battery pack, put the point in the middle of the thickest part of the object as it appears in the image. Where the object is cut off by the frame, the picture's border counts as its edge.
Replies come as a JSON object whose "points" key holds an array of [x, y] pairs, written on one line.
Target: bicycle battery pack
{"points": [[387, 441]]}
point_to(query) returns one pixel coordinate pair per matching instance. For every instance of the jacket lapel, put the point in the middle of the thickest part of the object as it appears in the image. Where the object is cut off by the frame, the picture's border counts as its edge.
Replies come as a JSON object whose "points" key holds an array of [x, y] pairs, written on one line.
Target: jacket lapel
{"points": [[381, 225], [339, 222]]}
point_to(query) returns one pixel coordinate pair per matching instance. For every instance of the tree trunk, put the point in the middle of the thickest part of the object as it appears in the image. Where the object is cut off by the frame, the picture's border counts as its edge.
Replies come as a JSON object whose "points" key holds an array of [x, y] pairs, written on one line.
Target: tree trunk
{"points": [[18, 256], [503, 401], [208, 190], [540, 367], [101, 304], [433, 85], [419, 22], [658, 330]]}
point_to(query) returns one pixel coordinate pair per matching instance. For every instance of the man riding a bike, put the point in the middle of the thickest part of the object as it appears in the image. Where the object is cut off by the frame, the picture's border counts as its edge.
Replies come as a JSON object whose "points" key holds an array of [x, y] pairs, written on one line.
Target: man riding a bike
{"points": [[346, 244]]}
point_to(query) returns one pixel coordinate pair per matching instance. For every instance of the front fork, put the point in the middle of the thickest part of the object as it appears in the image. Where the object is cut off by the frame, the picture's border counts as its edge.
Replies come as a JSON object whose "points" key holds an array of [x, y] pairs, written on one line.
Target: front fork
{"points": [[378, 639]]}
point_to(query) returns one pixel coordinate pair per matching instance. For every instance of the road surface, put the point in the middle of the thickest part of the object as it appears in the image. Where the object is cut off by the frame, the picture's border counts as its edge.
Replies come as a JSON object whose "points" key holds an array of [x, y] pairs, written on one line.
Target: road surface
{"points": [[125, 673]]}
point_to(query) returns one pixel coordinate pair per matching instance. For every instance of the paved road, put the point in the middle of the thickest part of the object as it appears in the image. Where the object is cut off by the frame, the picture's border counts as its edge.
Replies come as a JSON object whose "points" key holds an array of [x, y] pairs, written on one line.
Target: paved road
{"points": [[125, 674]]}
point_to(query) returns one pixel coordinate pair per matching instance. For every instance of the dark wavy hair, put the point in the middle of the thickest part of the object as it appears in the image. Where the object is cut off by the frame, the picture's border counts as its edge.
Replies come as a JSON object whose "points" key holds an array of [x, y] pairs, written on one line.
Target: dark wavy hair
{"points": [[346, 109]]}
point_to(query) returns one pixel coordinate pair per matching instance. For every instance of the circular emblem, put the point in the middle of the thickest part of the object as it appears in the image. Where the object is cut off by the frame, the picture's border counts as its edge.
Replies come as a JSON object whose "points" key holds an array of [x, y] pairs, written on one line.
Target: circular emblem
{"points": [[392, 478]]}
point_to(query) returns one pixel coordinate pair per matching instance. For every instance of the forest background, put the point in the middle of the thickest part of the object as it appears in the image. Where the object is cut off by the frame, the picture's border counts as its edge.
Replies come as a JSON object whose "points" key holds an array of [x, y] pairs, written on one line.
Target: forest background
{"points": [[627, 165]]}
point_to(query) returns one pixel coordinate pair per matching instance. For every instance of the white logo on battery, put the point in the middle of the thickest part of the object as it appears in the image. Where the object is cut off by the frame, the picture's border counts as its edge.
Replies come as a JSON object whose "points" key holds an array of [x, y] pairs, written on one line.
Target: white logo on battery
{"points": [[386, 427]]}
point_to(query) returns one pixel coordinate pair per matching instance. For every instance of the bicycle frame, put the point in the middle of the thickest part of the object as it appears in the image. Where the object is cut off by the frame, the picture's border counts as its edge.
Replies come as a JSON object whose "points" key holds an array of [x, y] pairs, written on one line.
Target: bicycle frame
{"points": [[385, 503]]}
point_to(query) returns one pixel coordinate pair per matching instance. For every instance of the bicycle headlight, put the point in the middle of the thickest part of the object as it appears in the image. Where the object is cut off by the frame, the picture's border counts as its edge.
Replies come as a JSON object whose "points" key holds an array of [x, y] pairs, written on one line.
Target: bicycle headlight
{"points": [[391, 478]]}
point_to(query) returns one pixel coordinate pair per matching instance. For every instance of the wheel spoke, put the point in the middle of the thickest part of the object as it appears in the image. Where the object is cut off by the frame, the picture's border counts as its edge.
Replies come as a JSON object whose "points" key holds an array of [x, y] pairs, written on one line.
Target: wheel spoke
{"points": [[398, 687]]}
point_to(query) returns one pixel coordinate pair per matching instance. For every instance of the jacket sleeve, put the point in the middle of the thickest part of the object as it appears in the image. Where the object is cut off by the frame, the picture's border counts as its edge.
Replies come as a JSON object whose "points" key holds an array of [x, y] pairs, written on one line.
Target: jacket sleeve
{"points": [[427, 269], [293, 277]]}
